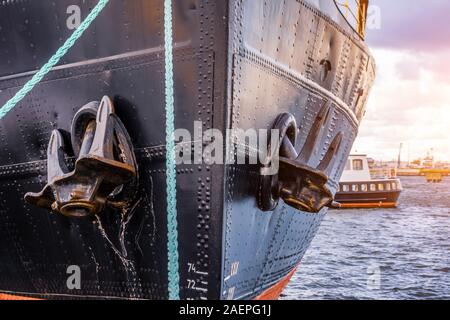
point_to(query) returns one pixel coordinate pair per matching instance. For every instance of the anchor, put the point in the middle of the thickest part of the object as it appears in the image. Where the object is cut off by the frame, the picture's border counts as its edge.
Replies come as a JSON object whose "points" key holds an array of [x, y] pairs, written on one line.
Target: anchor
{"points": [[296, 183], [105, 171]]}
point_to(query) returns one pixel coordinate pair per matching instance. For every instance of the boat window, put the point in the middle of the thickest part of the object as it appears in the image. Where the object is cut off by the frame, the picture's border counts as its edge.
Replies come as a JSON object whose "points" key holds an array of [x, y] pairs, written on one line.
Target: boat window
{"points": [[358, 165], [388, 186], [355, 188], [394, 186], [345, 188], [373, 187], [364, 187], [381, 187]]}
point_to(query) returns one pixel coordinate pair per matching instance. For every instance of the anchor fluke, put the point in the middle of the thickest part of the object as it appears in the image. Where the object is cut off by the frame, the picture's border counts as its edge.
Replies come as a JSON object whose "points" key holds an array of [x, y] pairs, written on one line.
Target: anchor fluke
{"points": [[105, 163], [297, 183]]}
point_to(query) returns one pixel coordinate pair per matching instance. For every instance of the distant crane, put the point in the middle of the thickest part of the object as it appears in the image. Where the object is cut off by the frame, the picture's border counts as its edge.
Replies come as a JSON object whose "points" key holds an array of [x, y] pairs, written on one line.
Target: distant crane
{"points": [[399, 161]]}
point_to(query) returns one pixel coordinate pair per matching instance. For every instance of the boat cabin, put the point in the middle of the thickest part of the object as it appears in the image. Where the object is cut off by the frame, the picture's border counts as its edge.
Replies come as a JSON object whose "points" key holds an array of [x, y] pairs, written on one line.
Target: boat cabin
{"points": [[356, 169]]}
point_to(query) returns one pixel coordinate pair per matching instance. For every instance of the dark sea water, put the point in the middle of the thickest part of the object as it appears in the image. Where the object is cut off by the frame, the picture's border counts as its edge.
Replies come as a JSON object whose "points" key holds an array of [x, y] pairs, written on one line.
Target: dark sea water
{"points": [[399, 253]]}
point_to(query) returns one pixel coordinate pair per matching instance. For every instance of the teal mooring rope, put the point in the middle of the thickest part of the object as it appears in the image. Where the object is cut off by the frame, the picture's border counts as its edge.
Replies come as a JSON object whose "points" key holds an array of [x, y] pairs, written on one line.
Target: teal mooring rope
{"points": [[53, 60], [171, 178]]}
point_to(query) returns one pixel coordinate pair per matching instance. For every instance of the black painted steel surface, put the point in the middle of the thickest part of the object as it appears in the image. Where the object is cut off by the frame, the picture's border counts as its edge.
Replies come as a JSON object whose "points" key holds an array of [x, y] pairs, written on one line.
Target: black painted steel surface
{"points": [[238, 64]]}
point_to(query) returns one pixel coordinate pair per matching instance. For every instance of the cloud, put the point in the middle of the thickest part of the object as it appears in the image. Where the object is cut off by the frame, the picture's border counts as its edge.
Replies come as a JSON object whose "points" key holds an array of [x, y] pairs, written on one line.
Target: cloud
{"points": [[409, 69], [431, 64], [414, 25], [407, 105], [410, 102]]}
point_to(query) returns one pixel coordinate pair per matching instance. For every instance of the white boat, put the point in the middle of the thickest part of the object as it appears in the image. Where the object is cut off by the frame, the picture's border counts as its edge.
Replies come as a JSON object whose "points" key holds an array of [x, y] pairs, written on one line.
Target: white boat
{"points": [[358, 189]]}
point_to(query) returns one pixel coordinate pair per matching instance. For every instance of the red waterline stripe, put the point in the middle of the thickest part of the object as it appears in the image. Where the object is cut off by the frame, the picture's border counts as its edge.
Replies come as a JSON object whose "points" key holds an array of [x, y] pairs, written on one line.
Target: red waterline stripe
{"points": [[273, 293], [14, 298]]}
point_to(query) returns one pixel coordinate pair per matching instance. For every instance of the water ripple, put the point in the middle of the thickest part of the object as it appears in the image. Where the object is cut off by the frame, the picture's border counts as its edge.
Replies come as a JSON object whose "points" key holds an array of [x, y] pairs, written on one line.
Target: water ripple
{"points": [[401, 253]]}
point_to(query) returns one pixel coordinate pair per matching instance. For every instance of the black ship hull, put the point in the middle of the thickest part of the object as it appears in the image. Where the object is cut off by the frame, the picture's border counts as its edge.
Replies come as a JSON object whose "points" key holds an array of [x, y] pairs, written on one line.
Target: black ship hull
{"points": [[237, 64]]}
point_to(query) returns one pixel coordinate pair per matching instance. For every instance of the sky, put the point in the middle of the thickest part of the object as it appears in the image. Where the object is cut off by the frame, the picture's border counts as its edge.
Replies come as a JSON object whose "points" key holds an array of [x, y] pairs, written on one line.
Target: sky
{"points": [[410, 101]]}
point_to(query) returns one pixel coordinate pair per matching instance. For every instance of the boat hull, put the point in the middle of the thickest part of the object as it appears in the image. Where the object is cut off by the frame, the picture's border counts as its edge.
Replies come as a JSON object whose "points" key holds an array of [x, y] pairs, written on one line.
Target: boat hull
{"points": [[232, 70], [369, 194], [388, 199]]}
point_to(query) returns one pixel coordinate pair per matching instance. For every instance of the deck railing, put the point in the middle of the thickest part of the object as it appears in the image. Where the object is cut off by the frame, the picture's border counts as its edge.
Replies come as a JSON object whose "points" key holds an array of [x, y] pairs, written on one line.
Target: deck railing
{"points": [[372, 186]]}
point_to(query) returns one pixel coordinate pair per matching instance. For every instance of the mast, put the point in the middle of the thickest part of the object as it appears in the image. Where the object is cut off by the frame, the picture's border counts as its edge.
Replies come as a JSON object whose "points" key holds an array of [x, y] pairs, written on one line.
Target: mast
{"points": [[399, 161], [362, 15]]}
